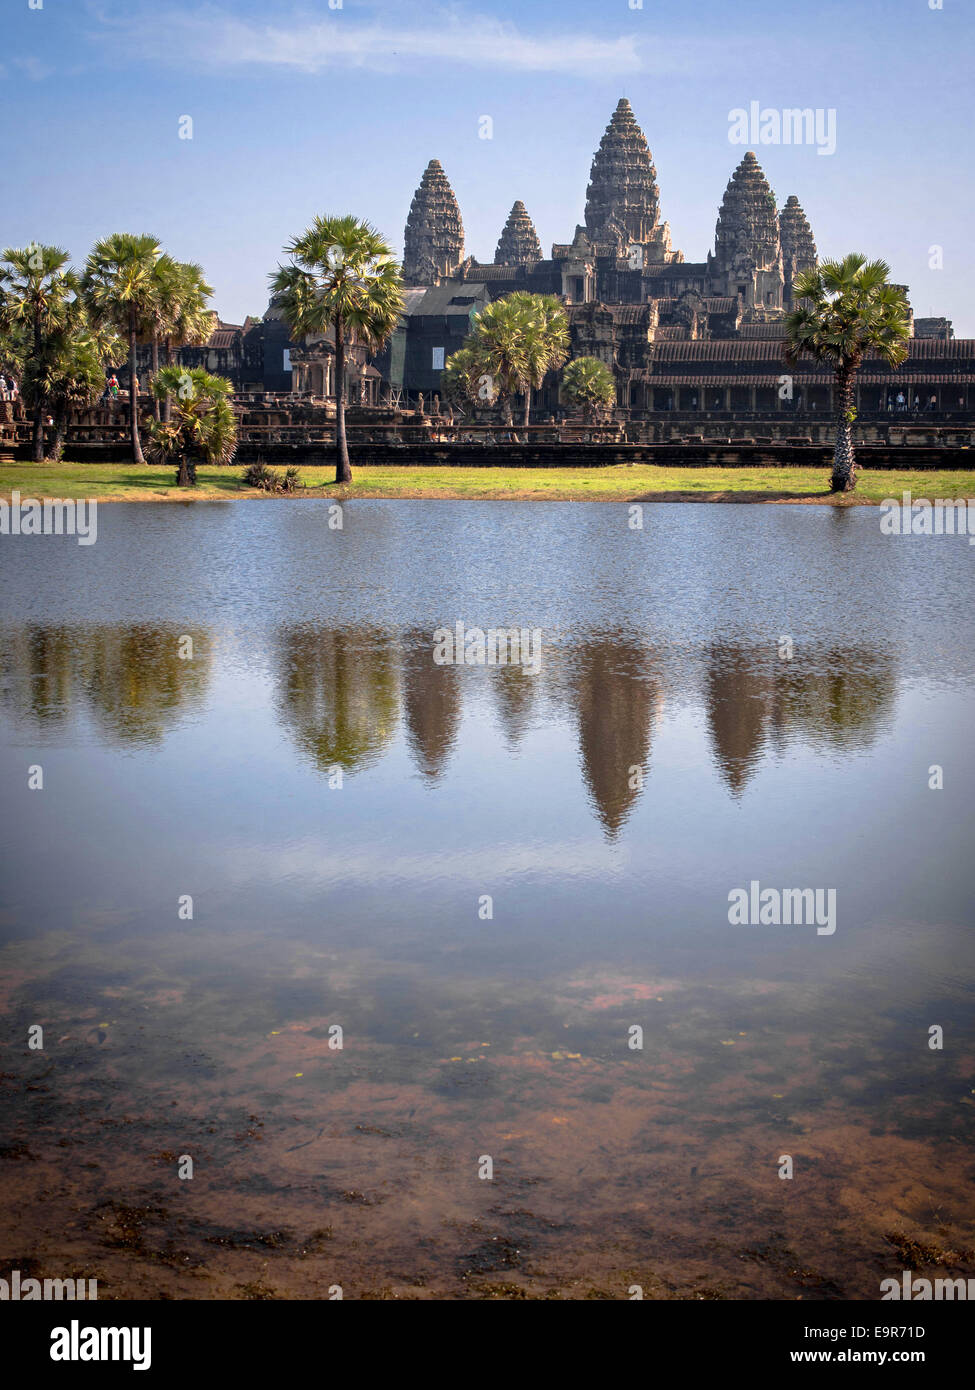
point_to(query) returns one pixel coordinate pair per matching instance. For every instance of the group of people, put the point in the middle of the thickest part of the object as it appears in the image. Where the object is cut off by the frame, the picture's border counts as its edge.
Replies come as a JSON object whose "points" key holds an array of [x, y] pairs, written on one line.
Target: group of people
{"points": [[9, 390], [900, 402]]}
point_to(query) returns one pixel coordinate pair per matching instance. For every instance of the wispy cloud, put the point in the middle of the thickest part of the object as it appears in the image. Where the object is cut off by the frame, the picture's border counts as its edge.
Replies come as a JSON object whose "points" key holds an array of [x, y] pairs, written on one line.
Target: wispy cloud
{"points": [[33, 68], [212, 37]]}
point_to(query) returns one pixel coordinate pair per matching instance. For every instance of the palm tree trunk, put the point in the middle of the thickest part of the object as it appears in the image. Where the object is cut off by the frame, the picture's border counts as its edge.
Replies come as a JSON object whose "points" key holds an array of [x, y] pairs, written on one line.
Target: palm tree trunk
{"points": [[60, 434], [134, 394], [39, 432], [844, 477], [343, 471], [156, 402], [528, 405], [168, 407], [39, 403]]}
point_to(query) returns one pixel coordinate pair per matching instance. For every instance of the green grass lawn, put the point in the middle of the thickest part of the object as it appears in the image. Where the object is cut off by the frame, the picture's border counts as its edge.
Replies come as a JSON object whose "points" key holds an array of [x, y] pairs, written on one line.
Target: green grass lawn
{"points": [[639, 482]]}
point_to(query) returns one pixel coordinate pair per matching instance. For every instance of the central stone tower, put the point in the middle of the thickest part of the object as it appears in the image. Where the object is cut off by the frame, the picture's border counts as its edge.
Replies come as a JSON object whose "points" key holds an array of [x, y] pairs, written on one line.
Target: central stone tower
{"points": [[622, 200]]}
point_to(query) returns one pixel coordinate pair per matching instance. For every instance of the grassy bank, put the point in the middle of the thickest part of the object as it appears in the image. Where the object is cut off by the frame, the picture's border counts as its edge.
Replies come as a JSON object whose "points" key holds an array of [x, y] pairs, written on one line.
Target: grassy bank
{"points": [[641, 482]]}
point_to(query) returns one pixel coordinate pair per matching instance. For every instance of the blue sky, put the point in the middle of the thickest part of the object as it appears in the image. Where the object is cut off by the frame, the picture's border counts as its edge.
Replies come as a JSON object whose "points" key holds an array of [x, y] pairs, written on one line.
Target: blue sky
{"points": [[305, 109]]}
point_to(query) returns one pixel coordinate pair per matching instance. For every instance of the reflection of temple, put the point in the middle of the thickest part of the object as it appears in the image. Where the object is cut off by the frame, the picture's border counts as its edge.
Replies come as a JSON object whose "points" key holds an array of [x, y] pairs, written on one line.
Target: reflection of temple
{"points": [[340, 692], [617, 698]]}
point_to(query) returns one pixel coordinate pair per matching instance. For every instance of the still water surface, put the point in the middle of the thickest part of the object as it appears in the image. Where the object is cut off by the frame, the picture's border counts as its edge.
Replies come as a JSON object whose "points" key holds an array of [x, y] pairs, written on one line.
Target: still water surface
{"points": [[666, 754]]}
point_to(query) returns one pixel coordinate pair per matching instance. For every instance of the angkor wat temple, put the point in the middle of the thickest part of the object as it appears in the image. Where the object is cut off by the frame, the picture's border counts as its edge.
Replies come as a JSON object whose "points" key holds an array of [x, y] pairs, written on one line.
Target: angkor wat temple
{"points": [[696, 348], [680, 336]]}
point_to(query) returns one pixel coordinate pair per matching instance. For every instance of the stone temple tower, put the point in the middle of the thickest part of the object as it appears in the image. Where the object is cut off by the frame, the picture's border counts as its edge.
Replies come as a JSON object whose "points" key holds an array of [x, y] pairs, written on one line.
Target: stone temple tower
{"points": [[622, 200], [519, 241], [434, 241], [798, 247], [747, 258]]}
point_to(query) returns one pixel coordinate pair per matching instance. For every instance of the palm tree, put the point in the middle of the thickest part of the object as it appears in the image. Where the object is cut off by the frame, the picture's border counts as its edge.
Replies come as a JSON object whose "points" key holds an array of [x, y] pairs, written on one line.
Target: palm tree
{"points": [[343, 276], [192, 322], [161, 312], [119, 286], [512, 344], [844, 311], [204, 426], [589, 383], [36, 289]]}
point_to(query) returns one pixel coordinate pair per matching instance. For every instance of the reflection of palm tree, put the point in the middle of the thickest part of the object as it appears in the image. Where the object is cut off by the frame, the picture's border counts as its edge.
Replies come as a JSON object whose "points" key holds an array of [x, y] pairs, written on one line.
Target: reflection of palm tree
{"points": [[835, 699], [431, 704], [617, 699], [339, 692], [131, 678], [839, 704]]}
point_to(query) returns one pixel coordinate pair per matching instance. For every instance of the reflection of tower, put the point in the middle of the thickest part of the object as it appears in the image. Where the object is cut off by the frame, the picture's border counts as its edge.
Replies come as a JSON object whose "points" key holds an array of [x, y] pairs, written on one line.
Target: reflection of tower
{"points": [[514, 693], [431, 704], [338, 692], [617, 699], [738, 697]]}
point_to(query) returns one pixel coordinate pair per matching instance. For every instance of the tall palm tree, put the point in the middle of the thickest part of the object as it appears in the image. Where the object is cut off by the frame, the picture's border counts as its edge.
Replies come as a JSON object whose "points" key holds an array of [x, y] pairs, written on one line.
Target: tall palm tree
{"points": [[187, 322], [119, 286], [844, 311], [161, 313], [36, 290], [342, 276]]}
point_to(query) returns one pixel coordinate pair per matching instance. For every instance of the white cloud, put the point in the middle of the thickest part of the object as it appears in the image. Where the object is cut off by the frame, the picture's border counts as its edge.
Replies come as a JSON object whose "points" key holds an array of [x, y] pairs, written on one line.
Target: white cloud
{"points": [[214, 38]]}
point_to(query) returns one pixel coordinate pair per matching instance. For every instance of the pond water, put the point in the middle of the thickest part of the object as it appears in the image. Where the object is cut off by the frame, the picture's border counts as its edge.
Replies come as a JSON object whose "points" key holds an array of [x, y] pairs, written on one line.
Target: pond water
{"points": [[496, 884]]}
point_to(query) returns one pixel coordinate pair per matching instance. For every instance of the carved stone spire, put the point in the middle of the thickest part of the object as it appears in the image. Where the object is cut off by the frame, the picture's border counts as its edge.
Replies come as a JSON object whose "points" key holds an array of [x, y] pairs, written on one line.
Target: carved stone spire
{"points": [[519, 241], [747, 252], [622, 200], [434, 241], [798, 247]]}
